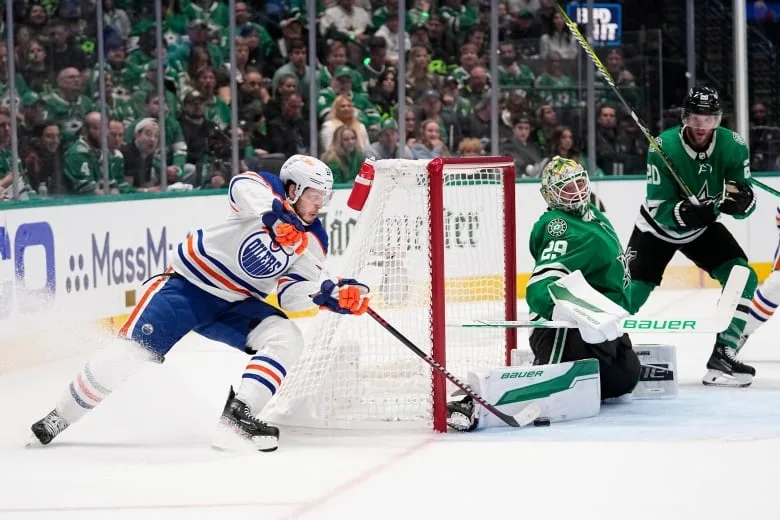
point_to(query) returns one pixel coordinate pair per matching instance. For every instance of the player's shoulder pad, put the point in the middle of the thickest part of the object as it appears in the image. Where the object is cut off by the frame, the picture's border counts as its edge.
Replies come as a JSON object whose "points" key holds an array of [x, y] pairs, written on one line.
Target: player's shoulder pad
{"points": [[730, 136], [553, 224], [275, 183], [318, 230]]}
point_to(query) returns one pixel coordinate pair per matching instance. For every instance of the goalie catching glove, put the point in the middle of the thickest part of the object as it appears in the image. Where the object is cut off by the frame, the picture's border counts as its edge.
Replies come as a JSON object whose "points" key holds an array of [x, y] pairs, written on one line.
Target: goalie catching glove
{"points": [[348, 296], [738, 199], [285, 228]]}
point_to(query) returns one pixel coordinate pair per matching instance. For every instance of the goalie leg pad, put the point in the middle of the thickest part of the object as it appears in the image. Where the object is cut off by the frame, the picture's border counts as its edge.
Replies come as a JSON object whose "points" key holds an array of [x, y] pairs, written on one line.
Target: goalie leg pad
{"points": [[658, 376], [564, 391]]}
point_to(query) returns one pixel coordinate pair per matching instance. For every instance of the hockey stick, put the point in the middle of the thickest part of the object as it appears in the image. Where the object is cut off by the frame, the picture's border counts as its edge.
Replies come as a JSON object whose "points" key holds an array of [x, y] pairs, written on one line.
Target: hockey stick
{"points": [[717, 322], [526, 416], [765, 187], [611, 82]]}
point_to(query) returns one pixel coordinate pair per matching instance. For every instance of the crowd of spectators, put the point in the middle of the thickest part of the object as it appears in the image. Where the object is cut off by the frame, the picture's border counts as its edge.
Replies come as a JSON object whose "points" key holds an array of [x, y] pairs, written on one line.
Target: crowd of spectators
{"points": [[446, 77]]}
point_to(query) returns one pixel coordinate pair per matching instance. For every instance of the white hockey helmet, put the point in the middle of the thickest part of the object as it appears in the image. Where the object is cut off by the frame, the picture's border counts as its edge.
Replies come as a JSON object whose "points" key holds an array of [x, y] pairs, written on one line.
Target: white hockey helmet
{"points": [[307, 172], [565, 185]]}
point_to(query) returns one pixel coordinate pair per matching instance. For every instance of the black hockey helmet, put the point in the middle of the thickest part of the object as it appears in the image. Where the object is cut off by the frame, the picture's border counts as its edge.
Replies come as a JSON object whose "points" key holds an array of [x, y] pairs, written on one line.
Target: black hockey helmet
{"points": [[701, 108]]}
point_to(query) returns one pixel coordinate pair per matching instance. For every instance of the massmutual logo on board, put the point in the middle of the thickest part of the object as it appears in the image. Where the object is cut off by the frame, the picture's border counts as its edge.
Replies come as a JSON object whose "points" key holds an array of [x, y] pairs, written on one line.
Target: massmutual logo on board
{"points": [[608, 18]]}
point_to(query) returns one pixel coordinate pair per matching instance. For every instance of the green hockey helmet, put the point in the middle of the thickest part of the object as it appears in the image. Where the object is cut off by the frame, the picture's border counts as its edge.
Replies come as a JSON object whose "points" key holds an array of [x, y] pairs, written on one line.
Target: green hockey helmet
{"points": [[565, 185]]}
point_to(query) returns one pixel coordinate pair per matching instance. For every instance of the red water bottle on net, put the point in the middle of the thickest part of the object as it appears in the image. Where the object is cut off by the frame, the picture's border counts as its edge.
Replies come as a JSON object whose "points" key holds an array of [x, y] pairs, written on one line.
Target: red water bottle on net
{"points": [[362, 186]]}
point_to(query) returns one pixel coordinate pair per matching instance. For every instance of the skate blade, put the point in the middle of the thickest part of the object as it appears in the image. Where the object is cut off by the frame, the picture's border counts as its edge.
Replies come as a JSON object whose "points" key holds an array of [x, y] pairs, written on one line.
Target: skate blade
{"points": [[227, 439], [33, 442], [718, 378]]}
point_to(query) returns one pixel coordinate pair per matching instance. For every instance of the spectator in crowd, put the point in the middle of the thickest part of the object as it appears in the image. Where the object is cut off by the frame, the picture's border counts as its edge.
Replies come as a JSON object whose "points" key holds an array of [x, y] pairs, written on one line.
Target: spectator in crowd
{"points": [[116, 161], [217, 110], [342, 86], [389, 32], [470, 147], [292, 31], [527, 33], [42, 158], [477, 124], [477, 85], [609, 156], [67, 105], [6, 169], [419, 79], [178, 55], [458, 18], [562, 143], [32, 115], [199, 136], [386, 147], [443, 43], [430, 144], [346, 22], [38, 23], [554, 87], [633, 145], [412, 127], [547, 122], [287, 86], [468, 59], [511, 75], [117, 19], [764, 139], [336, 59], [34, 68], [119, 109], [522, 148], [63, 53], [139, 154], [342, 113], [253, 94], [223, 73], [384, 95], [558, 39], [377, 62], [175, 144], [431, 108], [344, 155], [82, 170], [289, 131], [296, 66]]}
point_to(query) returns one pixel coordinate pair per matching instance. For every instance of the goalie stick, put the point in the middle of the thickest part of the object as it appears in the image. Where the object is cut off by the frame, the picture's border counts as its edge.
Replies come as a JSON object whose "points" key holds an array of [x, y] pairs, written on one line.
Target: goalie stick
{"points": [[525, 417], [717, 322]]}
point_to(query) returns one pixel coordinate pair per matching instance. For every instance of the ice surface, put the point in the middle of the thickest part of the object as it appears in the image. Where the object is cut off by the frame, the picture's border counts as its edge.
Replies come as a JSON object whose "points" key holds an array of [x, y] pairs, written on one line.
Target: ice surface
{"points": [[711, 453]]}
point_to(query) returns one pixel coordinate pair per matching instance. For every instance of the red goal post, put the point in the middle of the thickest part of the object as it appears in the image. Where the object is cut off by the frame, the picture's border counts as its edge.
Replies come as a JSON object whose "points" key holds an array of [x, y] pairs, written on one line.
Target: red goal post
{"points": [[436, 242]]}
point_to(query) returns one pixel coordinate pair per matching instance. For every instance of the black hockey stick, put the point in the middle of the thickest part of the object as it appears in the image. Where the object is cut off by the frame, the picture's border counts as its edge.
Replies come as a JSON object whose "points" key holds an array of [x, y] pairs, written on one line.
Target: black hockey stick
{"points": [[611, 82], [526, 416]]}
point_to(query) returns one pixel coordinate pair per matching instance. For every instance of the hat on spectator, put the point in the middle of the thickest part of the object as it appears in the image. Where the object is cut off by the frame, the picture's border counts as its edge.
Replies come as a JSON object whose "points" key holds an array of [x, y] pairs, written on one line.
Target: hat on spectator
{"points": [[522, 118], [193, 95], [388, 124], [524, 13], [418, 26], [430, 94], [30, 98], [292, 16], [144, 123], [342, 71]]}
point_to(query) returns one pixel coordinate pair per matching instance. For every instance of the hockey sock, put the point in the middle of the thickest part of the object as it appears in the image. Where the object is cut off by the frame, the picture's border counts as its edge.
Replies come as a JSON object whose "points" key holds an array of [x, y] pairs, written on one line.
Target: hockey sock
{"points": [[736, 333], [107, 369], [261, 380], [764, 303], [640, 292]]}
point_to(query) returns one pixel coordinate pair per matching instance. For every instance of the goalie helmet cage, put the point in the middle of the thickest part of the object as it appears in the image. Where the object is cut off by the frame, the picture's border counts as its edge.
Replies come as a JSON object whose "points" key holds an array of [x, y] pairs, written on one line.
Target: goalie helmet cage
{"points": [[436, 243]]}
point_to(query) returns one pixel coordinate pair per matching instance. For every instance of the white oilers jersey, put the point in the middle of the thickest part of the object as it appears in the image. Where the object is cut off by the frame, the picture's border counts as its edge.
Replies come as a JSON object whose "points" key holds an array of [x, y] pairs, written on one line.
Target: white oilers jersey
{"points": [[237, 259]]}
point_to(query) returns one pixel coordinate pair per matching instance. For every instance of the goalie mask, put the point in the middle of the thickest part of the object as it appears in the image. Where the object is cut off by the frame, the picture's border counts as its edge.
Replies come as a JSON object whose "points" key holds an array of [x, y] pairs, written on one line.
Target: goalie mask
{"points": [[702, 109], [308, 172], [565, 186]]}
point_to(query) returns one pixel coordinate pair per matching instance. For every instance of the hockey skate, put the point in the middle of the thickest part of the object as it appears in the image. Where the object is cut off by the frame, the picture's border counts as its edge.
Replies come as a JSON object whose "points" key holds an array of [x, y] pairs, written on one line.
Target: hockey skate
{"points": [[239, 428], [47, 428], [724, 369], [460, 415]]}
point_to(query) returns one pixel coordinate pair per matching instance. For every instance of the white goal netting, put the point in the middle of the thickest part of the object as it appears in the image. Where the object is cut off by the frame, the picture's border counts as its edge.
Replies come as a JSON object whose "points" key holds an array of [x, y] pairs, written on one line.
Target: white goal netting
{"points": [[355, 374]]}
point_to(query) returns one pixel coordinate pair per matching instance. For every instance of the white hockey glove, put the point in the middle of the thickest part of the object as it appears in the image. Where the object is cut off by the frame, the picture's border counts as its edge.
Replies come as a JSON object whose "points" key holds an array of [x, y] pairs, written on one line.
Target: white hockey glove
{"points": [[606, 331], [597, 317]]}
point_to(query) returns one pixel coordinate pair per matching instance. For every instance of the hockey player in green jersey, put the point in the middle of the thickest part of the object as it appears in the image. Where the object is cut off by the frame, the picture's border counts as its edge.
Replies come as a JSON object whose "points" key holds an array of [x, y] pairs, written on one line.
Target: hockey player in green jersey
{"points": [[573, 235], [714, 163]]}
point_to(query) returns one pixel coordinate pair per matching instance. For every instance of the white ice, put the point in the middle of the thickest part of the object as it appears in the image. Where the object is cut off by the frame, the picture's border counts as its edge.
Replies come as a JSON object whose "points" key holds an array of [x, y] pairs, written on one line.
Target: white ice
{"points": [[711, 453]]}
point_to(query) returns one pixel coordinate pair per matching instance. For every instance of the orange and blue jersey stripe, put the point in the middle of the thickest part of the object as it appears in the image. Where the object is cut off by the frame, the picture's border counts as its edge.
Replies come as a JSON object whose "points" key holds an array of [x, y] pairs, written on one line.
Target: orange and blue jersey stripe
{"points": [[761, 308], [211, 271], [86, 391]]}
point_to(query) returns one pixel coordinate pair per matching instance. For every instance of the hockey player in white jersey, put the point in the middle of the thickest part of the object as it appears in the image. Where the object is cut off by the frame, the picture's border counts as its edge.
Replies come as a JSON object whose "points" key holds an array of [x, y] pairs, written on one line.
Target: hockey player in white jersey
{"points": [[215, 286], [767, 296]]}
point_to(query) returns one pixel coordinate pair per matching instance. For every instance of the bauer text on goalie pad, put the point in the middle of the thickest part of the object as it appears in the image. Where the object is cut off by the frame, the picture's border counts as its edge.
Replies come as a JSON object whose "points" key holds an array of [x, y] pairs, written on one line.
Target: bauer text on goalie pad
{"points": [[563, 391]]}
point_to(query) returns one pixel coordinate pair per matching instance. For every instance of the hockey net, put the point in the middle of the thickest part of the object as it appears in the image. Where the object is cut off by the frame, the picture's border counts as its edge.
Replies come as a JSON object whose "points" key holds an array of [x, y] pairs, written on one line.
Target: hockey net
{"points": [[436, 243]]}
